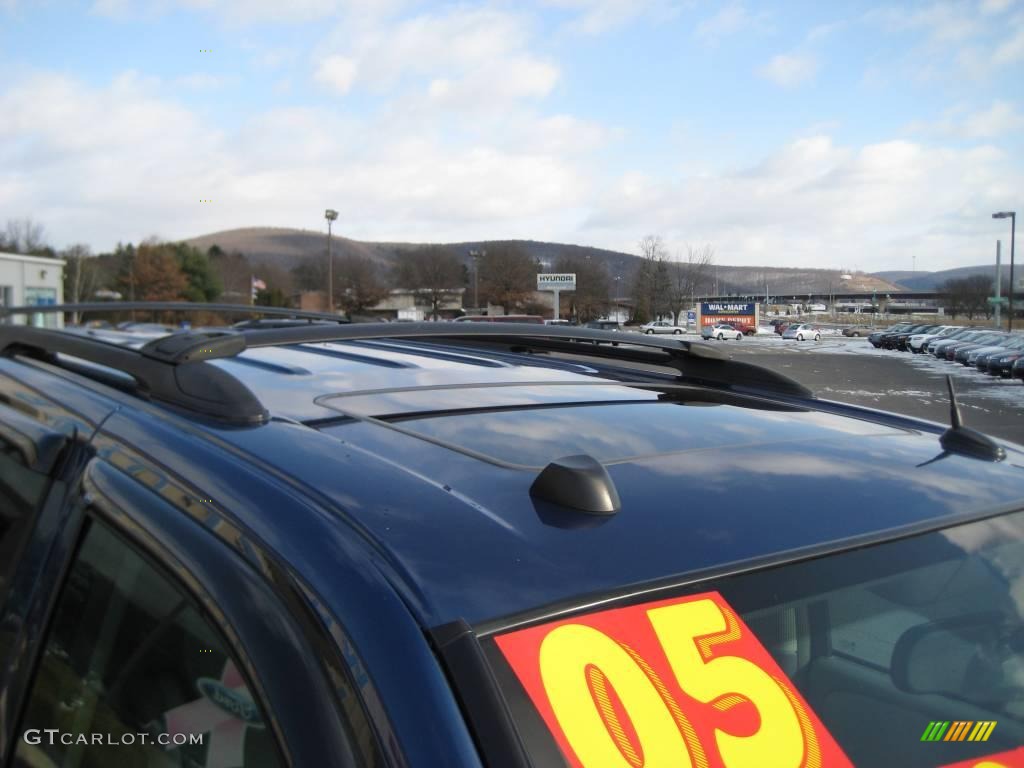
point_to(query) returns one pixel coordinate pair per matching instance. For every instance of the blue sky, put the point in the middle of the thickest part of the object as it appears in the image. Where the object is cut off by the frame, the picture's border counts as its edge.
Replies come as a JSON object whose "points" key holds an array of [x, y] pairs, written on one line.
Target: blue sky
{"points": [[860, 135]]}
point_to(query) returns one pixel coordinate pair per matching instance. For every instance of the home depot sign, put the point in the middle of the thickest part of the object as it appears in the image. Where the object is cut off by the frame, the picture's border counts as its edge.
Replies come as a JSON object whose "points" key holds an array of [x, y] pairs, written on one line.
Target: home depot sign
{"points": [[741, 313]]}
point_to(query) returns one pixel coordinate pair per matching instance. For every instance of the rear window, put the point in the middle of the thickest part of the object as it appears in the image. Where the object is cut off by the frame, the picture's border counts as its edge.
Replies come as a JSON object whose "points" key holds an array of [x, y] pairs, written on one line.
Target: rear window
{"points": [[907, 653]]}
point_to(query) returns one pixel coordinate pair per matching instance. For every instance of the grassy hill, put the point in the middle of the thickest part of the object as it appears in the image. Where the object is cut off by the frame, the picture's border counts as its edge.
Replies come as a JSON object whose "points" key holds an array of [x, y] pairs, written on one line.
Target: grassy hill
{"points": [[286, 247]]}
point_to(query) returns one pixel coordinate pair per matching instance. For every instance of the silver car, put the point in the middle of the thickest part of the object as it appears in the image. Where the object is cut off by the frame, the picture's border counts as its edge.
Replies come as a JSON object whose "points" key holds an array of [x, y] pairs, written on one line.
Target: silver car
{"points": [[802, 331], [720, 331]]}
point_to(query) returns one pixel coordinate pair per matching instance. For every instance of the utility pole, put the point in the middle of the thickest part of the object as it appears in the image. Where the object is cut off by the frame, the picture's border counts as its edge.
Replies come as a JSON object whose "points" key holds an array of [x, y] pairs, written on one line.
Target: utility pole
{"points": [[330, 215], [999, 282], [476, 256], [1012, 216]]}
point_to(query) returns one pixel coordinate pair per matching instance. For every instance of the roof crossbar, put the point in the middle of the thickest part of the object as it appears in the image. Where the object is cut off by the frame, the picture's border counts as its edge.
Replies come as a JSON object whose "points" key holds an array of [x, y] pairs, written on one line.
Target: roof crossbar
{"points": [[197, 387]]}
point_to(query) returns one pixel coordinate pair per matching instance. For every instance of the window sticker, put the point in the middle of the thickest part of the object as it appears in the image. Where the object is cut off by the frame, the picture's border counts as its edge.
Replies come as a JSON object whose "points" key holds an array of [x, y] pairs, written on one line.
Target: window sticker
{"points": [[224, 710], [680, 682]]}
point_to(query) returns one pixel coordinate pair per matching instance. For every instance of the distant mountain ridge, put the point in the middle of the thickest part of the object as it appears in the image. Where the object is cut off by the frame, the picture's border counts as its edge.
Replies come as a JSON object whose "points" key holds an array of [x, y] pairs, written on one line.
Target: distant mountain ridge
{"points": [[931, 281], [286, 247]]}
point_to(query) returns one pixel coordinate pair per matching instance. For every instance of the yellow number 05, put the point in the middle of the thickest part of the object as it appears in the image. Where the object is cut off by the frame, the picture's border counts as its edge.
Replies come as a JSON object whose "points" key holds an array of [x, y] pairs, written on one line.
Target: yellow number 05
{"points": [[577, 662]]}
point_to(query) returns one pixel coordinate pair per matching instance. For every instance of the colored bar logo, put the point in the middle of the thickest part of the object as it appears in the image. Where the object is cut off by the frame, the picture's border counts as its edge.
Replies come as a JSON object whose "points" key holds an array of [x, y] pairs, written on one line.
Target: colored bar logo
{"points": [[958, 730]]}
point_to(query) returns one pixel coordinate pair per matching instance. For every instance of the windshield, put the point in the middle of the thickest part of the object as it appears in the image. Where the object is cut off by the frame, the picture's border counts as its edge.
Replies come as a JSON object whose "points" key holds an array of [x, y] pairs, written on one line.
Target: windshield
{"points": [[909, 653]]}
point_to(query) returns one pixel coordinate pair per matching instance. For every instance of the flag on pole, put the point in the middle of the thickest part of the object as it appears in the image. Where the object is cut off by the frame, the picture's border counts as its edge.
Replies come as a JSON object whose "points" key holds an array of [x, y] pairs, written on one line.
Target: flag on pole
{"points": [[257, 285]]}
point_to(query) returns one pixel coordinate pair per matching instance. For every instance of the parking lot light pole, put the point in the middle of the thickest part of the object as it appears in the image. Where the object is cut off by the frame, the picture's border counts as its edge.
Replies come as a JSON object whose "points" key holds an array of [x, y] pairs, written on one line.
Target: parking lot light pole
{"points": [[330, 215], [1012, 216], [475, 255]]}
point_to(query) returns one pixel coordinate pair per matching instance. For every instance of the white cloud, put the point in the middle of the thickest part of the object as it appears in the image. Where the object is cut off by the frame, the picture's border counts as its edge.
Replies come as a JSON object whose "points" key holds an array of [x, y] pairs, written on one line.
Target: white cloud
{"points": [[203, 81], [338, 72], [124, 161], [814, 202], [991, 7], [597, 16], [1000, 119], [462, 59], [249, 11], [730, 20], [944, 21], [1011, 50], [788, 70]]}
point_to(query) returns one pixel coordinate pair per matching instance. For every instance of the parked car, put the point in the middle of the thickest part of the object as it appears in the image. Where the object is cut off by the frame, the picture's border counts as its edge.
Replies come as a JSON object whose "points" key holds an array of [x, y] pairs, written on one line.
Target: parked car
{"points": [[443, 544], [720, 331], [876, 337], [892, 339], [780, 328], [500, 319], [1002, 365], [901, 341], [747, 329], [858, 330], [605, 325], [993, 338], [559, 321], [1008, 343], [802, 331], [984, 359], [662, 326], [939, 346], [917, 341]]}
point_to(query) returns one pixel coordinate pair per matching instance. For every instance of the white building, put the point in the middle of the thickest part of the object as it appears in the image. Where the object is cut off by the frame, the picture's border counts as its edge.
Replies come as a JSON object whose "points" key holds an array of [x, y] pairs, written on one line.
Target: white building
{"points": [[32, 280]]}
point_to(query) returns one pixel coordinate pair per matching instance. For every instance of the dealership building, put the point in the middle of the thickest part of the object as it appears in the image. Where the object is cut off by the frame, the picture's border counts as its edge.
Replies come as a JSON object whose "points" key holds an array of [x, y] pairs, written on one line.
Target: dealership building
{"points": [[31, 280]]}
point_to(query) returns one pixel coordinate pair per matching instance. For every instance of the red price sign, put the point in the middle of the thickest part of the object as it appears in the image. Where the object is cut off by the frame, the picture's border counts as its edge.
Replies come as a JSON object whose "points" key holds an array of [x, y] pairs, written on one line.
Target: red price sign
{"points": [[681, 683]]}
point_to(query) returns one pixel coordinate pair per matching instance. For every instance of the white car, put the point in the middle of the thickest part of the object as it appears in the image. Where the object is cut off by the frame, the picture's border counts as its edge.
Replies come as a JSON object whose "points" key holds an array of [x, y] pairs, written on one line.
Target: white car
{"points": [[916, 342], [721, 331], [662, 326], [802, 331]]}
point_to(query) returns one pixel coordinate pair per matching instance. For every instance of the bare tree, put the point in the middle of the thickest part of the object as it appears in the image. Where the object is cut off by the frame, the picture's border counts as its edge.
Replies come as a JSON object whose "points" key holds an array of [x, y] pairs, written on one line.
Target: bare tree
{"points": [[968, 295], [358, 283], [687, 276], [508, 274], [590, 298], [651, 280], [235, 273], [434, 269], [81, 275], [25, 236]]}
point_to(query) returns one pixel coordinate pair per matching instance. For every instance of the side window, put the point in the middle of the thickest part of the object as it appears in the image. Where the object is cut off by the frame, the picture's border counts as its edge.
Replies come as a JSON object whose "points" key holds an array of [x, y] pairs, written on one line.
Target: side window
{"points": [[21, 493], [134, 674]]}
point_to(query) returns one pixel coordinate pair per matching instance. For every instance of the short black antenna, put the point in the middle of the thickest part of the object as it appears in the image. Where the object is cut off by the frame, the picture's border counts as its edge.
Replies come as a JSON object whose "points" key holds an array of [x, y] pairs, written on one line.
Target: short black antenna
{"points": [[954, 407], [964, 440]]}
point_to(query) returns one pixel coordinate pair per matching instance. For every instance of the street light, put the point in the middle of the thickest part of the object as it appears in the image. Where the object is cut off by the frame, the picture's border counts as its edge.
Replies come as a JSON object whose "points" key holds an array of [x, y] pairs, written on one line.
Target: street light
{"points": [[1012, 216], [330, 214], [475, 255]]}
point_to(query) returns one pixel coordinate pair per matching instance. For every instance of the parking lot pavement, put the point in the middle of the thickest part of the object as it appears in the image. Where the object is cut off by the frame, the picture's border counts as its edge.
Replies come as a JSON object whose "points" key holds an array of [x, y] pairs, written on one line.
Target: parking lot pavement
{"points": [[851, 370]]}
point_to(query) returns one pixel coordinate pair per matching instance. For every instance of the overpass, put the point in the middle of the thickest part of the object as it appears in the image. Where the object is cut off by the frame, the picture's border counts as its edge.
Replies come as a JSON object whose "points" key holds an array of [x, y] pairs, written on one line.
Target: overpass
{"points": [[893, 302]]}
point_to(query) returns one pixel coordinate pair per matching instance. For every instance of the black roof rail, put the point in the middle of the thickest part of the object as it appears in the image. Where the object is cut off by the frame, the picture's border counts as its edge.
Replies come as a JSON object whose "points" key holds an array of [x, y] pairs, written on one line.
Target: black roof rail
{"points": [[172, 369], [169, 306], [194, 386], [697, 362]]}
